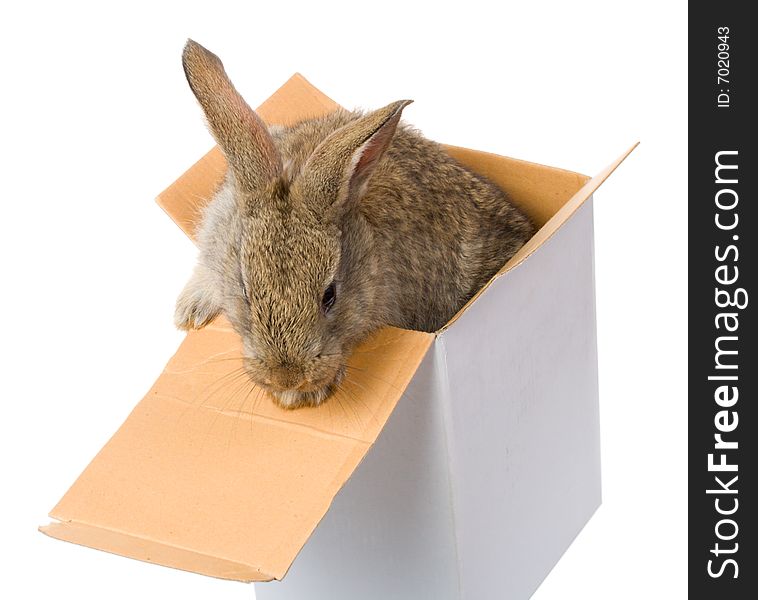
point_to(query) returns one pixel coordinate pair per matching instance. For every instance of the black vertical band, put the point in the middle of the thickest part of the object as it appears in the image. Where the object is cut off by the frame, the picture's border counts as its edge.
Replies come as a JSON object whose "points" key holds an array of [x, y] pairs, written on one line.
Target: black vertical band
{"points": [[723, 363]]}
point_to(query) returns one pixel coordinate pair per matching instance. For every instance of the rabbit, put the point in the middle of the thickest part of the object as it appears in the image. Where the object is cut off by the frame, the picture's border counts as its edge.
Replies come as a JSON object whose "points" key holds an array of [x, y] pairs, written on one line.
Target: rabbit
{"points": [[326, 230]]}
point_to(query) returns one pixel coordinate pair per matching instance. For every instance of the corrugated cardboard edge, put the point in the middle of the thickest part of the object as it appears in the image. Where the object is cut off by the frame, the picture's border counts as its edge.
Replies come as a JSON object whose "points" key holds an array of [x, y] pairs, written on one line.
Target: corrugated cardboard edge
{"points": [[549, 229], [146, 550]]}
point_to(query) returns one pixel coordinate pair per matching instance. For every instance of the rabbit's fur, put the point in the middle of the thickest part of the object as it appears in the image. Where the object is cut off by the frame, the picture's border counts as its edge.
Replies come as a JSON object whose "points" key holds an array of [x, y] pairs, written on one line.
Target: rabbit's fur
{"points": [[326, 230]]}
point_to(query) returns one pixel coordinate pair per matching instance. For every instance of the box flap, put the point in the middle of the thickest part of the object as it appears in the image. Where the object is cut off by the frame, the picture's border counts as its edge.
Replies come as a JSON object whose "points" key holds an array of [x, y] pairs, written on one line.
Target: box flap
{"points": [[208, 475], [564, 212], [538, 190], [543, 192]]}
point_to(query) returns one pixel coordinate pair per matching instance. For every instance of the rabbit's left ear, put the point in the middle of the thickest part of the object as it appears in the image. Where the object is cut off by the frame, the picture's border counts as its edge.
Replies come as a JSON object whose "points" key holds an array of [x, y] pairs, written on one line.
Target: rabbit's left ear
{"points": [[340, 167], [239, 131]]}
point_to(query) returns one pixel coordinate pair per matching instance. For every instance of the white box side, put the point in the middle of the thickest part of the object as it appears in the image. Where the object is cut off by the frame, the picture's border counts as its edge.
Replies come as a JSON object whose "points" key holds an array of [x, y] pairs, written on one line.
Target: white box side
{"points": [[389, 534], [522, 418]]}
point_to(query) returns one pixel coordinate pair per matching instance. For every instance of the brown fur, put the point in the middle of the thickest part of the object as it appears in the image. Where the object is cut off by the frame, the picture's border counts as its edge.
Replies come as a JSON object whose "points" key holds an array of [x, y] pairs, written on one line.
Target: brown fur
{"points": [[407, 234]]}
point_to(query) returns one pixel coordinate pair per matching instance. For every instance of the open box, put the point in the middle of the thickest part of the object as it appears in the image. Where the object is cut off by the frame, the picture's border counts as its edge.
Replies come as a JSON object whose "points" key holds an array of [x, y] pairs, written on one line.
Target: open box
{"points": [[461, 464]]}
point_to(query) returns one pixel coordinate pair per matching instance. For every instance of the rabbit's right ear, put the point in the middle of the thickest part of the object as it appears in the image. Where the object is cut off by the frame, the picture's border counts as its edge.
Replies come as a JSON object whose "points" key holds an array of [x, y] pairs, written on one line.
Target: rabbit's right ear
{"points": [[239, 131]]}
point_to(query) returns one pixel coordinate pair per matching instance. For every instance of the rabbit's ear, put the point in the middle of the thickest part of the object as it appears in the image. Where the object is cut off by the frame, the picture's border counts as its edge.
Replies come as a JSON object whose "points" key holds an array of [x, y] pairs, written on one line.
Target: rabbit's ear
{"points": [[341, 165], [239, 131]]}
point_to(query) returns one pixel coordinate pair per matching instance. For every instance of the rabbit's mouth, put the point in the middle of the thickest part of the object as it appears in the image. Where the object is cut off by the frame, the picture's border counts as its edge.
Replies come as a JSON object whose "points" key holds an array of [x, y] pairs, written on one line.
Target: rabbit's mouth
{"points": [[312, 395]]}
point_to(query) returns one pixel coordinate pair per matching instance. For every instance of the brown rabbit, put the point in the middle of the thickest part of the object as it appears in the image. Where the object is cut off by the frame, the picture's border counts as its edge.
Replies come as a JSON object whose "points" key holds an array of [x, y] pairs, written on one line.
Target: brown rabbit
{"points": [[329, 229]]}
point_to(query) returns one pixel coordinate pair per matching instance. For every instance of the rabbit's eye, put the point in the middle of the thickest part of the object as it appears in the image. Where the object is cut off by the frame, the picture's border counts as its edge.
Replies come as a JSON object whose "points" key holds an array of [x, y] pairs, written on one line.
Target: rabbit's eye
{"points": [[330, 295]]}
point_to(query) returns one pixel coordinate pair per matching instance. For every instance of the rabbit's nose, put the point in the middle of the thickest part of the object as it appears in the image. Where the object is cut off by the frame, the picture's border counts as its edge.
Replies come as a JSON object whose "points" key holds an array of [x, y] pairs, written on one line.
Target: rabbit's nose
{"points": [[285, 378]]}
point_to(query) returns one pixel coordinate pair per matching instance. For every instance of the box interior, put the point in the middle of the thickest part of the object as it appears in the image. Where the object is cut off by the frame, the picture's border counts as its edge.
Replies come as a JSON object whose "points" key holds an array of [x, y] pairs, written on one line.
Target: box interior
{"points": [[540, 191]]}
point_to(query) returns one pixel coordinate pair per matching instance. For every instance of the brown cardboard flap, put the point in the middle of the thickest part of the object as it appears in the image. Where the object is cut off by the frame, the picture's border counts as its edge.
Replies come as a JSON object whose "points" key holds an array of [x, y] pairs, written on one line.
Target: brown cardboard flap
{"points": [[564, 212], [538, 190], [554, 197], [208, 475]]}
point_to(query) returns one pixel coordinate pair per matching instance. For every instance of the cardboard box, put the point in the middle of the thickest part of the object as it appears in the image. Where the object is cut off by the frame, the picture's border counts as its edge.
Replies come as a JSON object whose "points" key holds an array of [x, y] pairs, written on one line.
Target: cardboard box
{"points": [[463, 466]]}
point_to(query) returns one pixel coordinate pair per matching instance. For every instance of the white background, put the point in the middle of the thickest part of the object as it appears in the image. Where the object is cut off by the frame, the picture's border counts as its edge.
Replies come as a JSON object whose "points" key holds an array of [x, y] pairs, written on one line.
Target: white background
{"points": [[97, 119]]}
